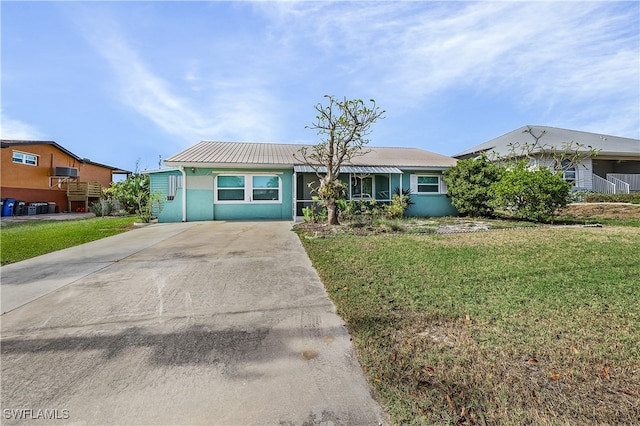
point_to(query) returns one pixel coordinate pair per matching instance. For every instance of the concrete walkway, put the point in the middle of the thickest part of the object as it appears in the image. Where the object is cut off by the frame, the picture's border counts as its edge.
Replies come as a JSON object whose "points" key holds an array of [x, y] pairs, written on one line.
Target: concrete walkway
{"points": [[193, 323], [30, 279]]}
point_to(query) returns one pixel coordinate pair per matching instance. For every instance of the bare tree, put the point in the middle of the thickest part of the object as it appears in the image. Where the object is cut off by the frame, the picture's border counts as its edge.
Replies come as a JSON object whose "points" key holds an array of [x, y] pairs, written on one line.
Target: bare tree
{"points": [[568, 155], [343, 126]]}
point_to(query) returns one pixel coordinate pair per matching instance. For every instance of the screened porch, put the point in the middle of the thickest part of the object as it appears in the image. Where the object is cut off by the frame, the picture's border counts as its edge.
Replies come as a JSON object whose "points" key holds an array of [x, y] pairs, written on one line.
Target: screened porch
{"points": [[362, 183]]}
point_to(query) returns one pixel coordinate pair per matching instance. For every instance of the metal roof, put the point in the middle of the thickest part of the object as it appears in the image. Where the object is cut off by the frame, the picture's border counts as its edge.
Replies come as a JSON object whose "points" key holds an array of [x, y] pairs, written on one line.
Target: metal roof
{"points": [[207, 153], [555, 137], [348, 169], [236, 153]]}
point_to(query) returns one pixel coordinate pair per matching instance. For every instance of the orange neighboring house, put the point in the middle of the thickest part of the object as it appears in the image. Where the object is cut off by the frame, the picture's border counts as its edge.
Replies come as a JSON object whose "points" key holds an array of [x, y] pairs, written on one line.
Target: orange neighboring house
{"points": [[45, 172]]}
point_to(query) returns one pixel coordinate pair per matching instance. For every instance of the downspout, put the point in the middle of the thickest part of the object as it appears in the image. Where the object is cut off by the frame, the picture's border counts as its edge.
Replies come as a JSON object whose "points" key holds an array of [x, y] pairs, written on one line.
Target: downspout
{"points": [[184, 194], [295, 195]]}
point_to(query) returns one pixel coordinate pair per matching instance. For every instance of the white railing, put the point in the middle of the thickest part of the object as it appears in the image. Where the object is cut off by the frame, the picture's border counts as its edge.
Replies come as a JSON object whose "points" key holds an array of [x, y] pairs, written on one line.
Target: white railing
{"points": [[603, 185], [633, 179], [622, 187]]}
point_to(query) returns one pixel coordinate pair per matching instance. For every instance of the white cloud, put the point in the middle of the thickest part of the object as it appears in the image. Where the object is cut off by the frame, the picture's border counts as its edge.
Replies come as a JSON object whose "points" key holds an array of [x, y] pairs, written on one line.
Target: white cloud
{"points": [[240, 108], [575, 61], [15, 129], [553, 56]]}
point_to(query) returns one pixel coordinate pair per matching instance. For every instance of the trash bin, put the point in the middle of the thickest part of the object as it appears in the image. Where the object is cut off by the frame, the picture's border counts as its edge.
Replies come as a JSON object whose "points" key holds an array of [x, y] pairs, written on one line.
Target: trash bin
{"points": [[32, 209], [43, 208], [19, 208], [52, 207], [7, 207]]}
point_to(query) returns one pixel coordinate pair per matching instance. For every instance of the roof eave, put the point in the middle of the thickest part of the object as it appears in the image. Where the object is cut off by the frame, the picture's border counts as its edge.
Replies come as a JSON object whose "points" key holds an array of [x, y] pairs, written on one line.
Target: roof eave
{"points": [[200, 164], [429, 168], [153, 171]]}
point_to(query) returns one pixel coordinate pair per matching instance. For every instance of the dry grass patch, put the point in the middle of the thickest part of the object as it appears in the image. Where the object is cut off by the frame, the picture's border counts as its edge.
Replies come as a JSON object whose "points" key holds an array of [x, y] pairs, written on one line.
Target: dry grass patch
{"points": [[602, 211], [450, 377]]}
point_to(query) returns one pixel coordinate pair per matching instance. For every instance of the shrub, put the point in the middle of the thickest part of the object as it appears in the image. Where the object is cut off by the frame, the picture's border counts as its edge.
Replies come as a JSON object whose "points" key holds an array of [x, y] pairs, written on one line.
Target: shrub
{"points": [[532, 195], [470, 183], [101, 208], [389, 225], [148, 205], [578, 196], [360, 210], [130, 192], [397, 207], [612, 198], [314, 214], [346, 209]]}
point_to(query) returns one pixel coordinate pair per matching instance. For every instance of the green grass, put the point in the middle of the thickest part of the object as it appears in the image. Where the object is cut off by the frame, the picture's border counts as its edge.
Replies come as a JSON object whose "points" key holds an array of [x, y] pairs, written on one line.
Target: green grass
{"points": [[24, 240], [531, 326]]}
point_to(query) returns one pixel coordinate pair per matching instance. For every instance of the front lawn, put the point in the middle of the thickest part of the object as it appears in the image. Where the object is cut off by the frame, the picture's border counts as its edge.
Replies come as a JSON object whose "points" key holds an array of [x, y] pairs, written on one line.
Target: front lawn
{"points": [[27, 239], [527, 326]]}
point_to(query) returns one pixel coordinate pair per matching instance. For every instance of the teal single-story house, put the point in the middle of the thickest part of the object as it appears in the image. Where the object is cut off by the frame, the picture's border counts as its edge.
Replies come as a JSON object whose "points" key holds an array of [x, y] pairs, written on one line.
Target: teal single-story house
{"points": [[249, 181]]}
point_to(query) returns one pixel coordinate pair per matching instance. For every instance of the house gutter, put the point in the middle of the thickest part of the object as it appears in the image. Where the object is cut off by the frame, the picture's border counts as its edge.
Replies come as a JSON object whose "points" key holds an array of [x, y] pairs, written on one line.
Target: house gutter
{"points": [[295, 196], [184, 194]]}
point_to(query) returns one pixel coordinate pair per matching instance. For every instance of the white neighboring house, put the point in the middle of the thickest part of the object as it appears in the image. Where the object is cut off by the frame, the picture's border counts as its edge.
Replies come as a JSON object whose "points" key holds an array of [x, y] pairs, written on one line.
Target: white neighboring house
{"points": [[616, 168]]}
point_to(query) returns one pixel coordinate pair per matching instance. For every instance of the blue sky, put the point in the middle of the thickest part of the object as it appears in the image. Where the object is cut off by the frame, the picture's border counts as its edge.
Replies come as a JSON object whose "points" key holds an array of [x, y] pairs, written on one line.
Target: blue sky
{"points": [[125, 82]]}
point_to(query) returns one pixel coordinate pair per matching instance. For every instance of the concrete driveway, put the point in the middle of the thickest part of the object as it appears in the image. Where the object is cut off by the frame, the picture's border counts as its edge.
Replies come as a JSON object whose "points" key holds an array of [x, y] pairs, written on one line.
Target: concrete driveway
{"points": [[193, 323]]}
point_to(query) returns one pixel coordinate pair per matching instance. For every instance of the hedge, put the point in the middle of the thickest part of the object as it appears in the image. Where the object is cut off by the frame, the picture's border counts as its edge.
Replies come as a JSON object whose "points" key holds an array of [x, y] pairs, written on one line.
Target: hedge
{"points": [[612, 198]]}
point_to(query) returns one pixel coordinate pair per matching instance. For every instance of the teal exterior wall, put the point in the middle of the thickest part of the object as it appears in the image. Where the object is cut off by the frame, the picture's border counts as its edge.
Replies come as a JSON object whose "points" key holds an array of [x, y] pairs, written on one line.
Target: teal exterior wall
{"points": [[255, 209], [427, 205], [170, 210], [201, 205], [396, 183], [437, 205], [200, 197], [252, 212]]}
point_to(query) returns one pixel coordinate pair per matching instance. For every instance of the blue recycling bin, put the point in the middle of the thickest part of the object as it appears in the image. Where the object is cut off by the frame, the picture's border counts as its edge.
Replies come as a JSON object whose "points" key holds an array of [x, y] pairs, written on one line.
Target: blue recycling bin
{"points": [[7, 206]]}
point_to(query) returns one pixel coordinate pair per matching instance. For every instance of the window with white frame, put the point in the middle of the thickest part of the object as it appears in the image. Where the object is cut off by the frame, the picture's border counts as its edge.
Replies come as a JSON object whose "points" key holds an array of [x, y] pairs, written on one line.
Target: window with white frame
{"points": [[265, 188], [568, 171], [25, 158], [426, 184], [250, 188], [230, 188]]}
